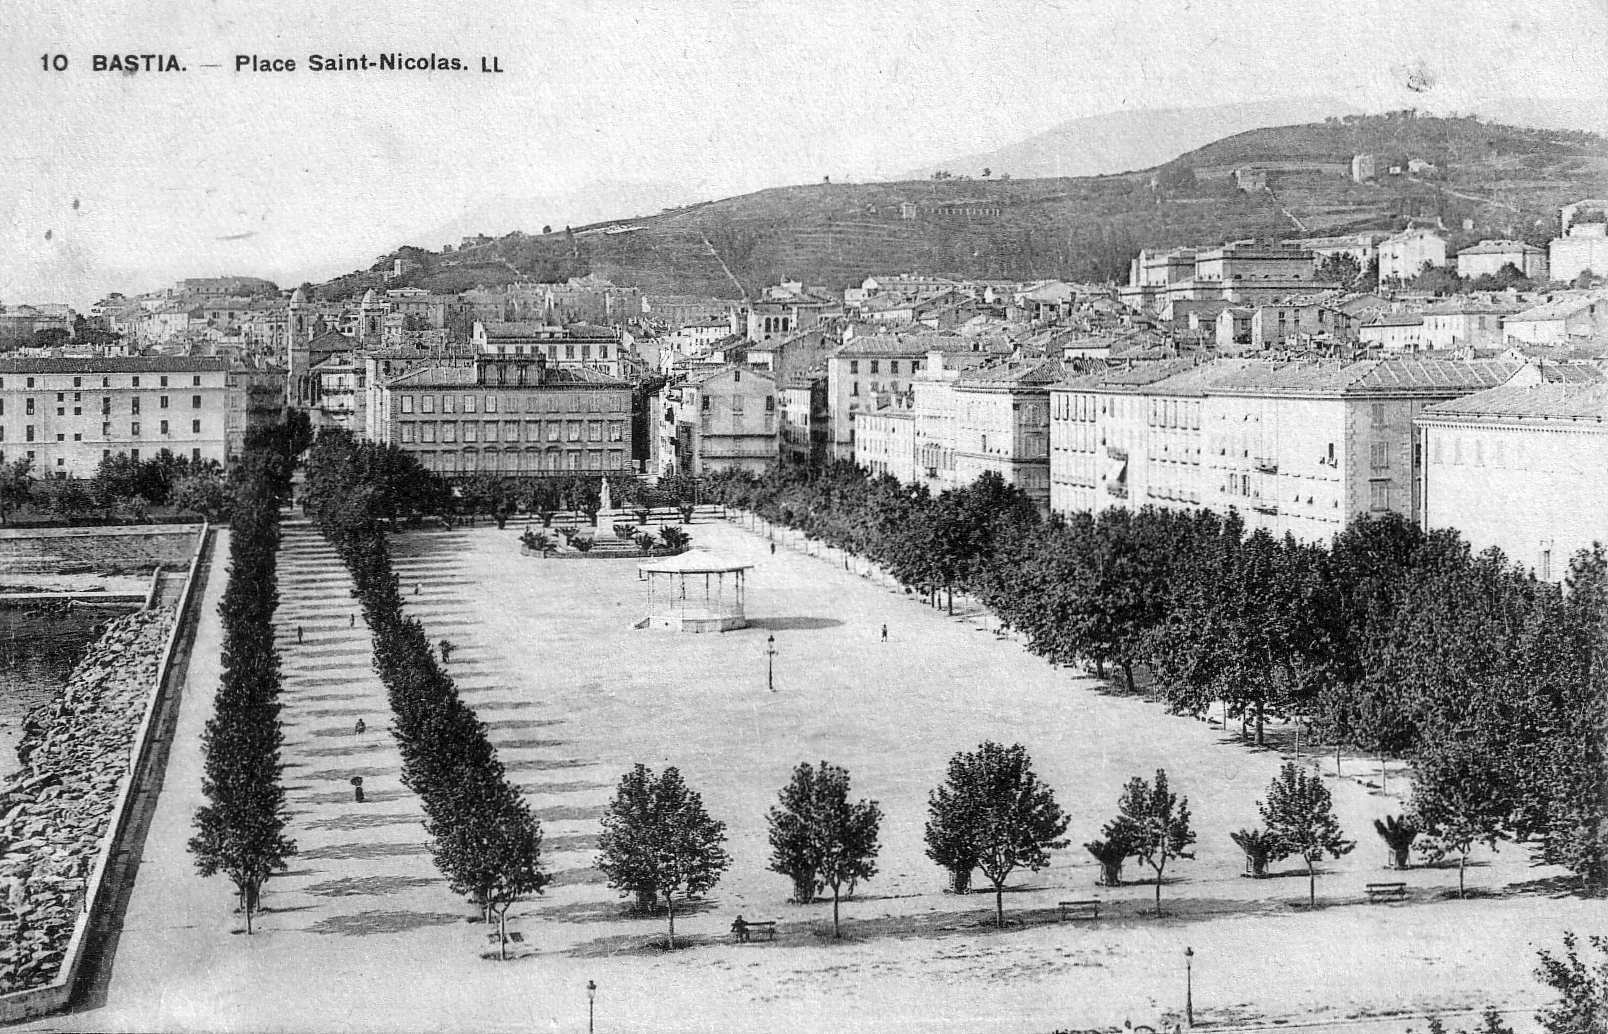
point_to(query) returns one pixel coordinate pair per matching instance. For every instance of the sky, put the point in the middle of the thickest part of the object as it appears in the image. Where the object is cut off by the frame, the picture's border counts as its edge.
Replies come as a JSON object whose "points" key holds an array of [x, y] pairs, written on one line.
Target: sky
{"points": [[607, 108]]}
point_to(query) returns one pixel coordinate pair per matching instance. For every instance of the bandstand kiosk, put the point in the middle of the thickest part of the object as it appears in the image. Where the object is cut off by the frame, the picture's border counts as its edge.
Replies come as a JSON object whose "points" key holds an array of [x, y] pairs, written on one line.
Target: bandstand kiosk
{"points": [[695, 591]]}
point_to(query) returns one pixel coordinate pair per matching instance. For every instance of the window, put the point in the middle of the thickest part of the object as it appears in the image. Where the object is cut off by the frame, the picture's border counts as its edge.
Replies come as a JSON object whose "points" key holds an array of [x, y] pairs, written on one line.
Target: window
{"points": [[407, 403], [616, 431], [427, 432], [555, 431], [737, 405], [704, 406], [30, 382], [875, 364], [468, 403], [449, 432], [195, 401], [28, 406], [61, 396], [195, 382], [136, 382], [574, 430], [60, 437], [854, 367], [893, 366], [195, 455], [470, 429], [427, 405], [410, 433], [1377, 414], [489, 431], [28, 433], [448, 404], [78, 382], [1379, 456], [134, 429], [594, 430], [134, 404], [78, 411], [770, 403], [163, 402], [1379, 495], [164, 427], [163, 382], [195, 427], [491, 403], [106, 430]]}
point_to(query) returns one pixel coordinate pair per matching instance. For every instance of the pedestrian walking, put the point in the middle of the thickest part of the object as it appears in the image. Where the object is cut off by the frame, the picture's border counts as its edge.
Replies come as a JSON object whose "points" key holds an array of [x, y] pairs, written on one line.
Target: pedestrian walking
{"points": [[353, 622], [298, 635], [357, 789], [359, 729], [773, 549], [884, 632]]}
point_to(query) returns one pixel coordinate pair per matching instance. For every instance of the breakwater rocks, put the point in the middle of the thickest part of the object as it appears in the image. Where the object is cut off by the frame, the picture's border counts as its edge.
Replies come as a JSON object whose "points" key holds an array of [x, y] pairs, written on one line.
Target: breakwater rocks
{"points": [[55, 812]]}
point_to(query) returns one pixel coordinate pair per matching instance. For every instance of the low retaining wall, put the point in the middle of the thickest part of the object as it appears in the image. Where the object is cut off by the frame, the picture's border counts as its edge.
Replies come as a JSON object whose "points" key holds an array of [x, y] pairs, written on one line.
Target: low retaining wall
{"points": [[66, 815]]}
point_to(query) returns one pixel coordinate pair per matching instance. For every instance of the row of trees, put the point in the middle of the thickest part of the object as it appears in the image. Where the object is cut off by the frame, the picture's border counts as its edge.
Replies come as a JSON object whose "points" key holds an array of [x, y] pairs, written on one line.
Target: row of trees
{"points": [[991, 814], [1388, 640], [122, 488], [483, 835], [240, 831]]}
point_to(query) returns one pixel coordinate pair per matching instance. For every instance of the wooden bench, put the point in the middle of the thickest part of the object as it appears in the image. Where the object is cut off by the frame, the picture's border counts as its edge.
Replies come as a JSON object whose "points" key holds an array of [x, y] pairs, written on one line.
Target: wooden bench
{"points": [[763, 928], [513, 935], [1086, 909], [1378, 892]]}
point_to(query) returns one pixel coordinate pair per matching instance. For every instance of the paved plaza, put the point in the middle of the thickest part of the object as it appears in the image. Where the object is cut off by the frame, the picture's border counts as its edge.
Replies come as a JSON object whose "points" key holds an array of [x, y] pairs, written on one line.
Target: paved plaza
{"points": [[363, 934]]}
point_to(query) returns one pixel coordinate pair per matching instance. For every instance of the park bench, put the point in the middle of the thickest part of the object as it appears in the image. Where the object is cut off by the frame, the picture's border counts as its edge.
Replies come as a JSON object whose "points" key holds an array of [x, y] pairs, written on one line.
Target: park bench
{"points": [[764, 928], [513, 935], [1378, 892], [1086, 909]]}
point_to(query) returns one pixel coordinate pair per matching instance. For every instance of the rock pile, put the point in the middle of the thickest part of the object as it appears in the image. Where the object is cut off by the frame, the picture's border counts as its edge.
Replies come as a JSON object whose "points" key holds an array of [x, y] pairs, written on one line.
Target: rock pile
{"points": [[56, 811]]}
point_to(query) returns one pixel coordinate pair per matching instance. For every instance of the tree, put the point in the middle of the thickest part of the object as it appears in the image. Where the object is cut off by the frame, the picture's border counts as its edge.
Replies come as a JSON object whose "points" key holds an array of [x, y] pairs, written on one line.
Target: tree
{"points": [[202, 490], [1260, 848], [1582, 988], [658, 841], [1458, 800], [1342, 268], [1299, 815], [994, 808], [1157, 824], [16, 485], [1398, 832], [675, 540], [819, 838], [488, 843]]}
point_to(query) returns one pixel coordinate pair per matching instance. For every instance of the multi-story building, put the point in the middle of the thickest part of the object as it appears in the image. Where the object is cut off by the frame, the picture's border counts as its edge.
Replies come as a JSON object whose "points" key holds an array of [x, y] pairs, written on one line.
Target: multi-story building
{"points": [[1297, 447], [1558, 321], [1463, 323], [1405, 255], [1583, 249], [805, 418], [577, 346], [66, 415], [1249, 261], [1393, 332], [1002, 425], [885, 441], [869, 365], [785, 309], [1096, 425], [1488, 258], [722, 419], [507, 415], [1519, 466]]}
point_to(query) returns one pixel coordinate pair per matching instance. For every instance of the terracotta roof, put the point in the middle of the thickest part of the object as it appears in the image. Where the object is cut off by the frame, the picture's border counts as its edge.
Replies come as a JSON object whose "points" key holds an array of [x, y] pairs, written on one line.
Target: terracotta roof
{"points": [[1569, 401], [114, 364]]}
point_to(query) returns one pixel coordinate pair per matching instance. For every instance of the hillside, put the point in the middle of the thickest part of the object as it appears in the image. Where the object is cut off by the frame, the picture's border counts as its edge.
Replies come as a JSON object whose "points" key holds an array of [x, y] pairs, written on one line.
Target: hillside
{"points": [[1121, 141], [1505, 181]]}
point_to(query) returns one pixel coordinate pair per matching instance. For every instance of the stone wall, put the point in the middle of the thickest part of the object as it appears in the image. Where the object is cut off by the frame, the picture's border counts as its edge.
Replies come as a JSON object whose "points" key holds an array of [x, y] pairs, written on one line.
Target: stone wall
{"points": [[57, 811]]}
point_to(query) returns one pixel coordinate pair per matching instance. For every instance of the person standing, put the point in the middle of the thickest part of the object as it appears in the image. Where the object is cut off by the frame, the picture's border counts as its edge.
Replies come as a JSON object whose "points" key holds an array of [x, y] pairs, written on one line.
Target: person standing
{"points": [[884, 631], [298, 635], [353, 622], [359, 728]]}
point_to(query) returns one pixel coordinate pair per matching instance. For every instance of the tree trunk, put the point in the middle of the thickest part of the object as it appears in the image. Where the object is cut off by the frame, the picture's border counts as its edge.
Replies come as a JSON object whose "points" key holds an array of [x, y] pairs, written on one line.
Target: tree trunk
{"points": [[1312, 885], [960, 881], [1337, 755], [502, 935], [1462, 860], [1111, 874], [1099, 667], [1158, 890], [670, 905], [837, 930], [999, 904], [646, 898], [951, 593], [1127, 673], [1261, 721], [804, 889]]}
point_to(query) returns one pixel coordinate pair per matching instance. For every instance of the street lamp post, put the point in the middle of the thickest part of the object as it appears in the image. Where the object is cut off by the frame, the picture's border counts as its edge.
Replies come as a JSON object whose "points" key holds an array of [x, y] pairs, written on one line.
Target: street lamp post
{"points": [[770, 663], [591, 1003], [1189, 987]]}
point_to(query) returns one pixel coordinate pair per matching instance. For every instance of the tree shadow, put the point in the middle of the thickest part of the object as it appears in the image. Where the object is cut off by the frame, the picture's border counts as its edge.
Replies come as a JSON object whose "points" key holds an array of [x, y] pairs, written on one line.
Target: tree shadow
{"points": [[529, 744], [568, 813], [379, 922], [365, 746], [509, 705], [348, 797], [579, 876], [356, 886], [542, 764], [342, 852], [518, 723], [793, 624], [343, 774], [579, 786], [572, 842], [372, 820]]}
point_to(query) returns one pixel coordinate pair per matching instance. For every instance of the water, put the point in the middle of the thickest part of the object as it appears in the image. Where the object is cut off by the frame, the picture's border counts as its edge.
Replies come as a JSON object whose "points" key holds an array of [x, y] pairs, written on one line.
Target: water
{"points": [[38, 651]]}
